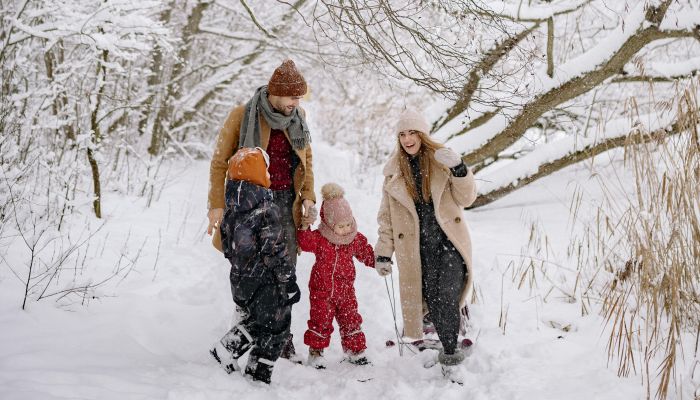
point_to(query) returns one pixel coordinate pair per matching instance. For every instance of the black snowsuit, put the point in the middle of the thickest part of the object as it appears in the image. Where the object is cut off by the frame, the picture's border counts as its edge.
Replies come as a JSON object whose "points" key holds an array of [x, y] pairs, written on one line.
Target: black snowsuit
{"points": [[442, 266], [261, 276]]}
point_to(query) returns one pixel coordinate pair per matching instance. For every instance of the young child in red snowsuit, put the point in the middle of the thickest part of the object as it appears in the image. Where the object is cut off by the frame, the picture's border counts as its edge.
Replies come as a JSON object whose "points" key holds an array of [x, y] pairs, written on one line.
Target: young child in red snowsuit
{"points": [[331, 286]]}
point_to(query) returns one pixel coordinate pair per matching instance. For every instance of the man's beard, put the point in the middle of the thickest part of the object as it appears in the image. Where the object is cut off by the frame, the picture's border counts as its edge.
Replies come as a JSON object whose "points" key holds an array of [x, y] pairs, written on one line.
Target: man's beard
{"points": [[282, 111]]}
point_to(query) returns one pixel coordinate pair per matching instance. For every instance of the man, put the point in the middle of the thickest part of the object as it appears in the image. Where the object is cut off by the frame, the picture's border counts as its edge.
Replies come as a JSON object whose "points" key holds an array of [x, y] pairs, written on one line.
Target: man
{"points": [[273, 120]]}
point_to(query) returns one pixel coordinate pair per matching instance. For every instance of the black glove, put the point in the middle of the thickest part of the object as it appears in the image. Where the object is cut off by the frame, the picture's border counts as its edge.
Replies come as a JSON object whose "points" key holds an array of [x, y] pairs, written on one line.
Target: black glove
{"points": [[293, 293], [383, 265]]}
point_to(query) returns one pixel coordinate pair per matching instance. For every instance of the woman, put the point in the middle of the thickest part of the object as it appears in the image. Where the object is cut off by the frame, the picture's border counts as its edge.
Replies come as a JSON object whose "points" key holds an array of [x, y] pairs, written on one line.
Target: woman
{"points": [[426, 187]]}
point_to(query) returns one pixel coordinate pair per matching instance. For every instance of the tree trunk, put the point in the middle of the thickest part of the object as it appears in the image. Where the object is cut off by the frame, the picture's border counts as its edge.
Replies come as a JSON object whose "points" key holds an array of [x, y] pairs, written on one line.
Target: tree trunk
{"points": [[166, 110], [96, 138], [94, 168], [156, 75]]}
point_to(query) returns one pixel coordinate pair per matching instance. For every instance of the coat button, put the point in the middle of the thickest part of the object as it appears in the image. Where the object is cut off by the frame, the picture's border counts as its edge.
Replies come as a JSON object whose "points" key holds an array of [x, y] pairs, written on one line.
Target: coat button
{"points": [[400, 235], [458, 220]]}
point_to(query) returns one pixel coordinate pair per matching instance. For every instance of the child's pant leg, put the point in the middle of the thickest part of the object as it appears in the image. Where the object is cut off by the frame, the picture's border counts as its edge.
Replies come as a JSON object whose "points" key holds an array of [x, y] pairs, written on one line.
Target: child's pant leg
{"points": [[269, 324], [318, 335], [350, 324]]}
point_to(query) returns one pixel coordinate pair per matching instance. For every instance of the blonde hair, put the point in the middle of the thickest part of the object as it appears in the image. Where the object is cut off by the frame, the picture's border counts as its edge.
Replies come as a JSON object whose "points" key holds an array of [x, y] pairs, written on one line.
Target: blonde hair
{"points": [[426, 157]]}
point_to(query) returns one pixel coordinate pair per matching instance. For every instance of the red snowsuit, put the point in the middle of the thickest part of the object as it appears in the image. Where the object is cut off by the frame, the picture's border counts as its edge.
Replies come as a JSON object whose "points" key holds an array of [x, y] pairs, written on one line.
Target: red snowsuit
{"points": [[331, 290]]}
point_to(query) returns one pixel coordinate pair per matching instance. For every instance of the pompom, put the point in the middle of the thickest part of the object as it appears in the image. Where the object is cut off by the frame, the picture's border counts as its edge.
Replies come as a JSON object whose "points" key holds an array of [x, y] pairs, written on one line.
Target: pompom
{"points": [[331, 191]]}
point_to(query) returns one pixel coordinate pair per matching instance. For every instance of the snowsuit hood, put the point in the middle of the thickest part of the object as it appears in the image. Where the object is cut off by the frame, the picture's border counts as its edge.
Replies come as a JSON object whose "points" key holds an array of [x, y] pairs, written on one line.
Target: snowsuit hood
{"points": [[243, 196]]}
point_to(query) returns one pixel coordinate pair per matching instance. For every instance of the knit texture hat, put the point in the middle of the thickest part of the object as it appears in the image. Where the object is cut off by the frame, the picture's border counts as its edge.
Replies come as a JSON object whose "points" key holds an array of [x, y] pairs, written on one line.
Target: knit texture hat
{"points": [[335, 209], [411, 120], [250, 164], [286, 81]]}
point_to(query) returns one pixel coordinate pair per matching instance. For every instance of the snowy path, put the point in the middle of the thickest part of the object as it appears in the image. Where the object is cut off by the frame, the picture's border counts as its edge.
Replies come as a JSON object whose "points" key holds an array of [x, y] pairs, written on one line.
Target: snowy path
{"points": [[150, 341]]}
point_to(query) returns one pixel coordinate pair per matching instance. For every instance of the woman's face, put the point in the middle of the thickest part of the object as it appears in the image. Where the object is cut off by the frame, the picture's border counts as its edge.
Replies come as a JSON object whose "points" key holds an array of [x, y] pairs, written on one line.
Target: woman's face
{"points": [[410, 142]]}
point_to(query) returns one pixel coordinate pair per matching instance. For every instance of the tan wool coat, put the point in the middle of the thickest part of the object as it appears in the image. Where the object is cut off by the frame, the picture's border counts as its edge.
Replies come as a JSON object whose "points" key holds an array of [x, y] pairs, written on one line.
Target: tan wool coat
{"points": [[227, 144], [399, 232]]}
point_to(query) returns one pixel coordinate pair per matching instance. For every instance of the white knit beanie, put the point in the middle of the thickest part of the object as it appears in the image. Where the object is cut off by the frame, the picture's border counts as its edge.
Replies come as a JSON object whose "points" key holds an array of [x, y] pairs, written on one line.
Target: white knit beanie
{"points": [[411, 120]]}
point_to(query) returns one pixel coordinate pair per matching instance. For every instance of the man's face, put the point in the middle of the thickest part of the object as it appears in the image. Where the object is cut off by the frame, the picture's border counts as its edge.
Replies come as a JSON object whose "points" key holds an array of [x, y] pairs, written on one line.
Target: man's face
{"points": [[284, 104]]}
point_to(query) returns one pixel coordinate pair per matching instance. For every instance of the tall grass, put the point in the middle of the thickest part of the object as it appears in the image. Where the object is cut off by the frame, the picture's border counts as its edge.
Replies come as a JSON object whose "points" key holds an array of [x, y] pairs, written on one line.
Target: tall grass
{"points": [[642, 252]]}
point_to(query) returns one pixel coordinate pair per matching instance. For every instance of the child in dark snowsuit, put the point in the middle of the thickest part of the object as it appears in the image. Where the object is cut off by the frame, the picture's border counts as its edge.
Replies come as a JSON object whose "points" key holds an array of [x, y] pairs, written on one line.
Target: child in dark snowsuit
{"points": [[261, 272], [332, 294]]}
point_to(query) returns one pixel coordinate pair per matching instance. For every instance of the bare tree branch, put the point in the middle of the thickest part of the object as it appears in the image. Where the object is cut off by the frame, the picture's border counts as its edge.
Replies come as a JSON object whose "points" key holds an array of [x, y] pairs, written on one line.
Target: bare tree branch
{"points": [[550, 47], [492, 12], [255, 20], [652, 78], [489, 60], [229, 35]]}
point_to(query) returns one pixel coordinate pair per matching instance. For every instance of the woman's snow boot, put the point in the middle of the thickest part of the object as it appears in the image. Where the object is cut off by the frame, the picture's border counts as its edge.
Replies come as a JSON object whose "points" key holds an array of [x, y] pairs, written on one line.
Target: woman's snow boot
{"points": [[450, 365]]}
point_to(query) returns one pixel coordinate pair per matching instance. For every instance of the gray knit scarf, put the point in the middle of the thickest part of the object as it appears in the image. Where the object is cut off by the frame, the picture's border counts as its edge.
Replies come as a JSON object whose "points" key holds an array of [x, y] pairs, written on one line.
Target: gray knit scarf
{"points": [[250, 126]]}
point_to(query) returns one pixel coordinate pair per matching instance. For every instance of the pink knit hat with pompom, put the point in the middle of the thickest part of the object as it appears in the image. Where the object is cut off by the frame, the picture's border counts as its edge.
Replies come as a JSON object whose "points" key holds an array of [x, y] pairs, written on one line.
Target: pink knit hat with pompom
{"points": [[335, 209]]}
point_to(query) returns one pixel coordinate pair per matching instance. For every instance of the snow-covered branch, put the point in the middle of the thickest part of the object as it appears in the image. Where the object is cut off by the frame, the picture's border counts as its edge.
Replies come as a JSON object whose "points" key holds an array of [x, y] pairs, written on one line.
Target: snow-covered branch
{"points": [[522, 12], [228, 35], [548, 158], [571, 80]]}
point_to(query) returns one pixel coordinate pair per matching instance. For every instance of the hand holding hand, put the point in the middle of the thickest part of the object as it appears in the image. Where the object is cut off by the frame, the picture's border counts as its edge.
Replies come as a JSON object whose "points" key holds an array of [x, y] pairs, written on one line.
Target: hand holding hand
{"points": [[310, 213], [447, 157], [215, 216]]}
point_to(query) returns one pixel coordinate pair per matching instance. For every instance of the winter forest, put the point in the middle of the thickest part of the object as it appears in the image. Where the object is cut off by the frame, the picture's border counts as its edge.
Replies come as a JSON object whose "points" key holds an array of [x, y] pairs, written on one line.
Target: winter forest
{"points": [[579, 119]]}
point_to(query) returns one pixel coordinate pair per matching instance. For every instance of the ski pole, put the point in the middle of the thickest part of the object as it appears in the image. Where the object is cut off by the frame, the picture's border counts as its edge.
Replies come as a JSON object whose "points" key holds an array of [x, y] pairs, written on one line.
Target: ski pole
{"points": [[392, 305]]}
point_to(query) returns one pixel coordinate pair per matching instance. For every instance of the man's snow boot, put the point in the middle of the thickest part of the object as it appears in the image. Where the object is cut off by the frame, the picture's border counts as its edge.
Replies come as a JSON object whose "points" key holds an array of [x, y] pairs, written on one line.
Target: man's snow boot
{"points": [[259, 369], [316, 359], [450, 366]]}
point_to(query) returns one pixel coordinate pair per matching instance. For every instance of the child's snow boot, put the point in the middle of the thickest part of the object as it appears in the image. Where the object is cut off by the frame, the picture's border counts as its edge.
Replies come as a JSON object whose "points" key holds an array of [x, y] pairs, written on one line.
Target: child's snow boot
{"points": [[316, 359], [259, 369], [231, 347], [224, 358], [237, 341], [357, 358], [450, 366]]}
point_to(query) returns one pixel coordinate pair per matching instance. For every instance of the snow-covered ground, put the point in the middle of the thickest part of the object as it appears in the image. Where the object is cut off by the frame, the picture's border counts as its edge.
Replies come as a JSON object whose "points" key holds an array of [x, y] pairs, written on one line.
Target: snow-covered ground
{"points": [[147, 336]]}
